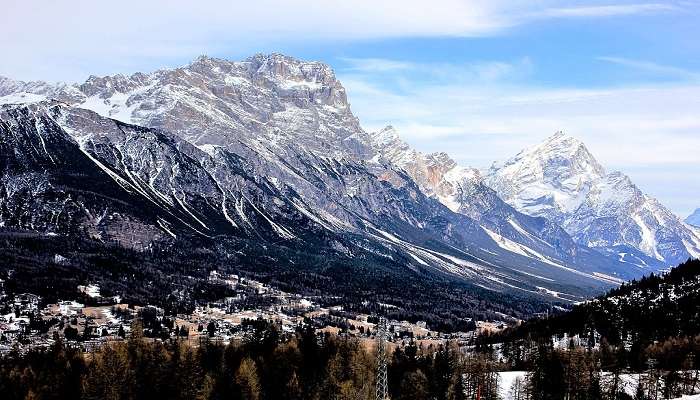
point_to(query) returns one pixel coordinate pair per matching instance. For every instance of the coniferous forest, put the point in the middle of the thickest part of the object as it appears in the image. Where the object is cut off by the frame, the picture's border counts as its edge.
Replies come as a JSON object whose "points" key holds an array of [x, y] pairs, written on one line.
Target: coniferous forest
{"points": [[269, 364], [636, 314], [266, 366], [151, 277], [358, 200], [306, 366]]}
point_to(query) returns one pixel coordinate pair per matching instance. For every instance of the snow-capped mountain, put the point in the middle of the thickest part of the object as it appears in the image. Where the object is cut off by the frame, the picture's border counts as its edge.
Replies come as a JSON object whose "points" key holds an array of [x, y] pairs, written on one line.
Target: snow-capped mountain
{"points": [[463, 191], [694, 218], [560, 180], [272, 100], [267, 150]]}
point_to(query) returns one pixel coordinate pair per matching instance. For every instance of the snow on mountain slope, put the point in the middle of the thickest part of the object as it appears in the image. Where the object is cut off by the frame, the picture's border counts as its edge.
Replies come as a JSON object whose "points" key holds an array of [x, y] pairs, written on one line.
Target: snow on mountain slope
{"points": [[548, 180], [560, 180], [134, 185], [268, 99], [270, 148], [462, 190]]}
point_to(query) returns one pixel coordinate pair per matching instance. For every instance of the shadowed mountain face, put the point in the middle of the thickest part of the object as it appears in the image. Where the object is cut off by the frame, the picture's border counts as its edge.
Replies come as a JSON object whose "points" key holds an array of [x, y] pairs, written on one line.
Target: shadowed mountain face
{"points": [[267, 151]]}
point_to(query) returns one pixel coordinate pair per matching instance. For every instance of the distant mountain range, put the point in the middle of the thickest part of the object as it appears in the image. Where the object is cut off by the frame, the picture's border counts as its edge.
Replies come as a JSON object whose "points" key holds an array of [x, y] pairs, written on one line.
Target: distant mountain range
{"points": [[267, 150], [694, 218]]}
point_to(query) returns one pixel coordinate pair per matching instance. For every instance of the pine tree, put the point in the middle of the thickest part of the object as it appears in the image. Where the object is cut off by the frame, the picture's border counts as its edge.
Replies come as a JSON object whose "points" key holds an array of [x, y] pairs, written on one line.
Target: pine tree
{"points": [[247, 380], [414, 386], [517, 389], [188, 373], [109, 374], [457, 389]]}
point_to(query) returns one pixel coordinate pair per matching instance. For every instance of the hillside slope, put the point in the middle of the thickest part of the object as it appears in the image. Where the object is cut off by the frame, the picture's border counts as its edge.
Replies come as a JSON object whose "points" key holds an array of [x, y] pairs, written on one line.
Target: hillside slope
{"points": [[640, 312]]}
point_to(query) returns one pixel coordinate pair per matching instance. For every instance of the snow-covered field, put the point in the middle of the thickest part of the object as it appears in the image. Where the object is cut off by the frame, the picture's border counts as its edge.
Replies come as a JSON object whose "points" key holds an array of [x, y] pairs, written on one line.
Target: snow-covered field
{"points": [[628, 383], [505, 383]]}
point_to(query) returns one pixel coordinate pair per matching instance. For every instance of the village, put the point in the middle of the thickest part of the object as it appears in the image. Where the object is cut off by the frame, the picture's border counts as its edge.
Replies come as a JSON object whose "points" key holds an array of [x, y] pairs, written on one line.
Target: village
{"points": [[91, 320]]}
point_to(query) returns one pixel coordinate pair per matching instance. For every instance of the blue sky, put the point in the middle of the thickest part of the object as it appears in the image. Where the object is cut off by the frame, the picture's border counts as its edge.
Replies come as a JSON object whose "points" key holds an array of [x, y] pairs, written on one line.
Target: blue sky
{"points": [[477, 79]]}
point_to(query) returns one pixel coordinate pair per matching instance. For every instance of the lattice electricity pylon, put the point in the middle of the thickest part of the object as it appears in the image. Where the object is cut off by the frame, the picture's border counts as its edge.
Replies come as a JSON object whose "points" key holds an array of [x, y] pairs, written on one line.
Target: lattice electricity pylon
{"points": [[381, 335]]}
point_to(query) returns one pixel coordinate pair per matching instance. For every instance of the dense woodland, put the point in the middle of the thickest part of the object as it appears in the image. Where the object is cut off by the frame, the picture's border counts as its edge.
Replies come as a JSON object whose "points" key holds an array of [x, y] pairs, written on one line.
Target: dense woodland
{"points": [[265, 366], [652, 320], [268, 365], [615, 335], [614, 331], [638, 313]]}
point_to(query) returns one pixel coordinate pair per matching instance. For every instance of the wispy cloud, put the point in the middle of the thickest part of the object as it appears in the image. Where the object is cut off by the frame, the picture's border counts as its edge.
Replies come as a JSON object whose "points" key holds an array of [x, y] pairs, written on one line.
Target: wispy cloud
{"points": [[656, 124], [376, 64], [479, 110], [605, 10], [475, 72], [654, 68]]}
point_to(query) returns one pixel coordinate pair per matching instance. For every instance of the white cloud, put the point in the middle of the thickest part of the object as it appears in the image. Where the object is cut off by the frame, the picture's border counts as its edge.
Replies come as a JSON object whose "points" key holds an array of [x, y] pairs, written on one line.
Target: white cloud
{"points": [[59, 40], [656, 124], [637, 130], [408, 73], [376, 64], [478, 111], [652, 67]]}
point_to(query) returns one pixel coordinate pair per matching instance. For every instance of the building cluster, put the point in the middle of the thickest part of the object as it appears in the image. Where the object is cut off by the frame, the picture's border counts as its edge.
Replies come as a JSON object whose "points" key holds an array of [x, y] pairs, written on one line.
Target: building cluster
{"points": [[27, 321]]}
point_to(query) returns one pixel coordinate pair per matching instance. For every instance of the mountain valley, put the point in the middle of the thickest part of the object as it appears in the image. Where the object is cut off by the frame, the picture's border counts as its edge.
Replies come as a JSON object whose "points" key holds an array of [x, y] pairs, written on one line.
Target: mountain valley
{"points": [[263, 160]]}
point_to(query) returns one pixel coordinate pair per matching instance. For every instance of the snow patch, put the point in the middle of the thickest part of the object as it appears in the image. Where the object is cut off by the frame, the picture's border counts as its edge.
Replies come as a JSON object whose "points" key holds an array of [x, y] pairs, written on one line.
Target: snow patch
{"points": [[21, 98], [648, 244]]}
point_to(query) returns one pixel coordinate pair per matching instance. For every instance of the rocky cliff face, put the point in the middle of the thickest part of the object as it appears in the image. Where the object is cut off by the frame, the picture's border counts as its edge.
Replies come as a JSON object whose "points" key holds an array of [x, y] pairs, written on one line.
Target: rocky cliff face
{"points": [[267, 149]]}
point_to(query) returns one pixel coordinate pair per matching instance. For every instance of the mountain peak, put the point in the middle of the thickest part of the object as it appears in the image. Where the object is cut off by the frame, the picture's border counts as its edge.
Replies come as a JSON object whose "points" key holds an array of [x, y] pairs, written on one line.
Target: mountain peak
{"points": [[549, 179], [558, 135], [561, 155], [274, 57], [202, 58], [559, 179], [204, 61], [281, 64], [442, 159], [388, 134], [560, 141], [388, 145]]}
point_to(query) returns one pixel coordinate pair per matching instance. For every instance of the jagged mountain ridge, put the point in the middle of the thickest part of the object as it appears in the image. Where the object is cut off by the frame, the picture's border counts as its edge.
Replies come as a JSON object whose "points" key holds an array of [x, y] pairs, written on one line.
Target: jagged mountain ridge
{"points": [[279, 154], [561, 180], [132, 200], [463, 191], [271, 100]]}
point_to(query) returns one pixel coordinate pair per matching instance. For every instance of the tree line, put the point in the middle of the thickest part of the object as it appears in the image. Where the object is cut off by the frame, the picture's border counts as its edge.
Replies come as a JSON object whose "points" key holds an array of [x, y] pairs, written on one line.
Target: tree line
{"points": [[670, 300], [266, 365], [305, 365]]}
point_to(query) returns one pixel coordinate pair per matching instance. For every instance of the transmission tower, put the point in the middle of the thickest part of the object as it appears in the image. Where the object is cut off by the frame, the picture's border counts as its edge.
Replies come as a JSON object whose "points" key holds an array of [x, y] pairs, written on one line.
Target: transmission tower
{"points": [[653, 378], [381, 359]]}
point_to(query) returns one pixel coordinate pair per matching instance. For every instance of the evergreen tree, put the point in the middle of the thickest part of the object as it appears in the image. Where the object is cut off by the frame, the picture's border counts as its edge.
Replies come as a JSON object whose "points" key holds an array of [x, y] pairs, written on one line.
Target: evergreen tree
{"points": [[247, 380]]}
